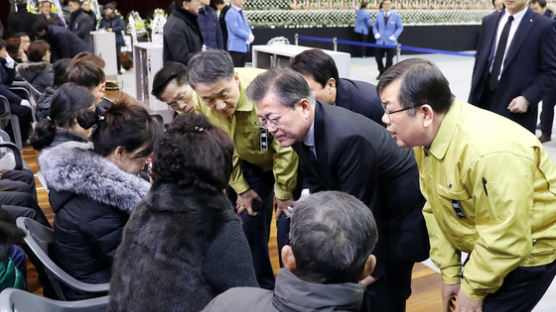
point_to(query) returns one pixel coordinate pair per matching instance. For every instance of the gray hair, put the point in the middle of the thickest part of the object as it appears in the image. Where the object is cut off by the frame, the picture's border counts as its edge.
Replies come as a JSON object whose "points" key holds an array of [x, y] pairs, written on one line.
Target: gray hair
{"points": [[210, 66], [332, 235], [288, 85]]}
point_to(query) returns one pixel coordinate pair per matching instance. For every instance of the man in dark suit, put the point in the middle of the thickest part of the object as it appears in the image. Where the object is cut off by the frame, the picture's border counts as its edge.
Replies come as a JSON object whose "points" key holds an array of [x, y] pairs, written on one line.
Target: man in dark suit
{"points": [[320, 72], [515, 65], [63, 43], [182, 35], [344, 151]]}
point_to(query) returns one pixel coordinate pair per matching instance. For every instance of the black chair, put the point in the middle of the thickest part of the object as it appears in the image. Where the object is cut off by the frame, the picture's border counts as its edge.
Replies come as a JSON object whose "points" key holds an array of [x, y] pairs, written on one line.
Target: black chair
{"points": [[38, 238]]}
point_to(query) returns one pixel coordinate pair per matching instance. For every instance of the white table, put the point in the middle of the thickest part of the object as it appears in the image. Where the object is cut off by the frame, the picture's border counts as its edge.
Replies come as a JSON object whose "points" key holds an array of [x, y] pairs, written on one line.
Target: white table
{"points": [[268, 56]]}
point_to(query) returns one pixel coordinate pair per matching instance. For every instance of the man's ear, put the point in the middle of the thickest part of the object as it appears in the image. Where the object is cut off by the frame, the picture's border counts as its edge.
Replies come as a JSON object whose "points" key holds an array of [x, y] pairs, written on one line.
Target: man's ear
{"points": [[288, 259], [331, 84], [428, 115], [369, 267], [304, 105]]}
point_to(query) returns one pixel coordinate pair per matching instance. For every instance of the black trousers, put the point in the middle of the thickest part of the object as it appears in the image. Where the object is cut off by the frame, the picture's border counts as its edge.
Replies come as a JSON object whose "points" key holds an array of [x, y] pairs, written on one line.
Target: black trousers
{"points": [[119, 56], [547, 114], [390, 292], [23, 200], [362, 38], [521, 290], [379, 55], [18, 181], [239, 58], [25, 115], [257, 228]]}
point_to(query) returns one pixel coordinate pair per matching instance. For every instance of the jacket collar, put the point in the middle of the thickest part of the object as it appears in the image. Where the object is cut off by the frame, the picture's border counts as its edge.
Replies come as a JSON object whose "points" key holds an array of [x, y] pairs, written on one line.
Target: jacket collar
{"points": [[244, 104], [294, 294], [75, 168], [445, 133]]}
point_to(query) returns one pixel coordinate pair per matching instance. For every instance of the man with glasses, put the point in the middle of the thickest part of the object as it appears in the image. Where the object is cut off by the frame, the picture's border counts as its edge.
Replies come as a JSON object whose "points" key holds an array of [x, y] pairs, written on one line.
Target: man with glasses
{"points": [[345, 151], [490, 188], [262, 169], [170, 86]]}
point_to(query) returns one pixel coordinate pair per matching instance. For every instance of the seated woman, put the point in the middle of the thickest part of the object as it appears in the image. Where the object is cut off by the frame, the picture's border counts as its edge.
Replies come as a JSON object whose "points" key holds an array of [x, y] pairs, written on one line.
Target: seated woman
{"points": [[70, 119], [184, 244], [43, 103], [94, 189], [38, 70]]}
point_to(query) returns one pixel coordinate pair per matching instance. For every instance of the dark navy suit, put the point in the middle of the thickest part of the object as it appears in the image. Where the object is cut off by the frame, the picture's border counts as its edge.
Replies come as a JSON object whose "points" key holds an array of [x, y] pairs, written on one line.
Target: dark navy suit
{"points": [[360, 97], [529, 67], [358, 156]]}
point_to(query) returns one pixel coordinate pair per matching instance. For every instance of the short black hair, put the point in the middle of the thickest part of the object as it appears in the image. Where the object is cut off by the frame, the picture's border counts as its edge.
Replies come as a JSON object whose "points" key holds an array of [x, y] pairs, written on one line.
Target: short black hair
{"points": [[317, 64], [542, 3], [210, 66], [39, 25], [170, 71], [85, 74], [193, 154], [421, 83], [3, 43]]}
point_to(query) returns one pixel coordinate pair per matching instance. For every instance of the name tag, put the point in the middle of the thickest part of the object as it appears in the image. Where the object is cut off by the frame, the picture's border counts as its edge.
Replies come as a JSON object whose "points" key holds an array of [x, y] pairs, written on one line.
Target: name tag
{"points": [[458, 210], [263, 138]]}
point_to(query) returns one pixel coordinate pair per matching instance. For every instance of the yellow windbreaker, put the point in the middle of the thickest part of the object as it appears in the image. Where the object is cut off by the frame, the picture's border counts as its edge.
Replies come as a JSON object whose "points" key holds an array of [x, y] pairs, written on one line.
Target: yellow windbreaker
{"points": [[244, 129], [491, 192]]}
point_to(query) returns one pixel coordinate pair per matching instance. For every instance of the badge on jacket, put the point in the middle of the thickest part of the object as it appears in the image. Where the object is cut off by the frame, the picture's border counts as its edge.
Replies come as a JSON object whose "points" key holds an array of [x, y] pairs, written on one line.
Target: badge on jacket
{"points": [[263, 137], [458, 210]]}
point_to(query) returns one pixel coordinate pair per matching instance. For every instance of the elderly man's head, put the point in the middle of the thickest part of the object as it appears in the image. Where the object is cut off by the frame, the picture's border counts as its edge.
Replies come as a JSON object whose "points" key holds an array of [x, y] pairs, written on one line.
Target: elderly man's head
{"points": [[332, 236], [415, 96], [212, 76], [285, 104], [170, 86]]}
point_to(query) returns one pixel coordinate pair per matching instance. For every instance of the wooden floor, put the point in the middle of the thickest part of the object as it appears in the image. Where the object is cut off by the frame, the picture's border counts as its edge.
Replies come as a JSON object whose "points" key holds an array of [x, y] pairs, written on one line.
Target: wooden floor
{"points": [[426, 283]]}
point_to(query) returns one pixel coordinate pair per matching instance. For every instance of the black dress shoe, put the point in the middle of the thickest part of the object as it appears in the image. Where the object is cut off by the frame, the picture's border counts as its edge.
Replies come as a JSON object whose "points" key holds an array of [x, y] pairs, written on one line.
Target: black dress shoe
{"points": [[544, 138]]}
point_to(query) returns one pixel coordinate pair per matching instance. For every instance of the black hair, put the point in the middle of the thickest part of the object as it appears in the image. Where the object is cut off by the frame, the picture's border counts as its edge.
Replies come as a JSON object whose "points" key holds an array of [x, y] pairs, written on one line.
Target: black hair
{"points": [[85, 74], [542, 3], [127, 125], [193, 154], [60, 75], [69, 104], [364, 4], [2, 43], [317, 64], [421, 83], [170, 71], [39, 25]]}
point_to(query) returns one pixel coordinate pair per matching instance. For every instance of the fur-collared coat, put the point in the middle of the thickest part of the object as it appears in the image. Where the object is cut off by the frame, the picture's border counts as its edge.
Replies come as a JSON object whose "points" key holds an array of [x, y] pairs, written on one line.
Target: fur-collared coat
{"points": [[39, 74], [92, 199], [181, 247]]}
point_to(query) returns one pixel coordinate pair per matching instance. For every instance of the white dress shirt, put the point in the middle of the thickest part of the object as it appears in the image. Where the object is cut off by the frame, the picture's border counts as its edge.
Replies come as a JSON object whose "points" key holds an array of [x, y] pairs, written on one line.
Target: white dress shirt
{"points": [[513, 28]]}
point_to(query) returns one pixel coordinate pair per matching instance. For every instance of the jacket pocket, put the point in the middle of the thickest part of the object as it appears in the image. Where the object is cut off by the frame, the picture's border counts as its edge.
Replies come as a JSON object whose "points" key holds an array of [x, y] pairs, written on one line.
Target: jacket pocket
{"points": [[455, 198]]}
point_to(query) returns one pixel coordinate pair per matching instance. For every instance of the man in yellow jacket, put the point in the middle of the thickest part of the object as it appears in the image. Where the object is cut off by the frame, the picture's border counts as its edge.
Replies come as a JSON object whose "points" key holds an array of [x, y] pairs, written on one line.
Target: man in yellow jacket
{"points": [[490, 188], [261, 167]]}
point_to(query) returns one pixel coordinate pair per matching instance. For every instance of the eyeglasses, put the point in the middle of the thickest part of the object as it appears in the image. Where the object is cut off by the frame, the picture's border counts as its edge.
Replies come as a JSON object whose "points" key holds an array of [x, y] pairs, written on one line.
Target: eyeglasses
{"points": [[274, 122], [388, 113]]}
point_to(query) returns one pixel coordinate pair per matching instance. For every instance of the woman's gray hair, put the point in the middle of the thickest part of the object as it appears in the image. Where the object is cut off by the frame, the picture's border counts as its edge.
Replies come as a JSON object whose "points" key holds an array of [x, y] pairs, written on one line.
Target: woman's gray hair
{"points": [[288, 85], [210, 66], [332, 235]]}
